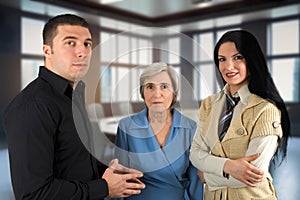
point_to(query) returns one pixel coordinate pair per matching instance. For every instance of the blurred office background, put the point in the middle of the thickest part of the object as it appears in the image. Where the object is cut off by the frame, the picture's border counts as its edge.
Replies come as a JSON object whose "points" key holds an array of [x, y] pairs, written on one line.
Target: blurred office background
{"points": [[131, 33]]}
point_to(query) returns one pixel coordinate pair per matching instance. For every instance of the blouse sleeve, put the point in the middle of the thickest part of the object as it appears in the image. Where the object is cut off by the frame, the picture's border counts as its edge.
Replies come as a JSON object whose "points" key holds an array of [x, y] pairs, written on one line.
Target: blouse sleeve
{"points": [[121, 150], [195, 189]]}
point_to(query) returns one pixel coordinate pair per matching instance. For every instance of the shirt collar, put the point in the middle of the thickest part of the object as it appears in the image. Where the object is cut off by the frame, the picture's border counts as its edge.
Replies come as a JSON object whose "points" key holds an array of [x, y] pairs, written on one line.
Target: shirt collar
{"points": [[57, 82], [243, 93], [141, 119]]}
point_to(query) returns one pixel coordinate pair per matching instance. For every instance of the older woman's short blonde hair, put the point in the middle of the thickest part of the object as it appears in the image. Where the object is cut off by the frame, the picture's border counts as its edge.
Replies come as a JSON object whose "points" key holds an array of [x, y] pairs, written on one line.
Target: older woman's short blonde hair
{"points": [[155, 68]]}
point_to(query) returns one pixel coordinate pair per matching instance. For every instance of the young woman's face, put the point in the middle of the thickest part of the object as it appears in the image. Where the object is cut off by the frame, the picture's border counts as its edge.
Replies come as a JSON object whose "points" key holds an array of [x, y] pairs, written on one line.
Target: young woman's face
{"points": [[232, 66], [158, 92]]}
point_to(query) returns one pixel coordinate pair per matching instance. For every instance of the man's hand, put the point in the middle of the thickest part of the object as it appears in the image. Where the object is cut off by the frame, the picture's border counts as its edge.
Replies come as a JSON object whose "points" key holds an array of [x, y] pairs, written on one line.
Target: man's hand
{"points": [[244, 171], [122, 181]]}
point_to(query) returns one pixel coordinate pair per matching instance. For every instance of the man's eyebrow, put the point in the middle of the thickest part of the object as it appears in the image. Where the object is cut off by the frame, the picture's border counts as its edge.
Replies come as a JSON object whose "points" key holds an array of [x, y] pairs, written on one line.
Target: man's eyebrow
{"points": [[69, 37], [72, 37]]}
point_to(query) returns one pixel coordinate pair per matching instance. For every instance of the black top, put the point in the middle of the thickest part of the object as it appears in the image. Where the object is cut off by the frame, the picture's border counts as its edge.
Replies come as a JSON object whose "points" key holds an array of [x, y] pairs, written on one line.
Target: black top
{"points": [[47, 158]]}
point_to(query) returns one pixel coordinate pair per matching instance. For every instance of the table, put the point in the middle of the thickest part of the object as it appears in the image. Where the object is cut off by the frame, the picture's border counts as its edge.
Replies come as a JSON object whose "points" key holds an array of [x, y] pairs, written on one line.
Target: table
{"points": [[109, 125]]}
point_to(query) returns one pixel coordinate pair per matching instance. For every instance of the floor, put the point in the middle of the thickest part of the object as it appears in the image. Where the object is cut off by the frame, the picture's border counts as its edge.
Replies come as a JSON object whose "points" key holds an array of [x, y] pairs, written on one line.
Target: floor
{"points": [[286, 177], [5, 183]]}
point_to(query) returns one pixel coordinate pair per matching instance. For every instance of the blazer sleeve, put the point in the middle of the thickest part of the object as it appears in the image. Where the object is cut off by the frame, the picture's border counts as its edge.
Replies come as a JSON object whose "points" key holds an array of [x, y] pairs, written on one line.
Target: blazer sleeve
{"points": [[200, 155]]}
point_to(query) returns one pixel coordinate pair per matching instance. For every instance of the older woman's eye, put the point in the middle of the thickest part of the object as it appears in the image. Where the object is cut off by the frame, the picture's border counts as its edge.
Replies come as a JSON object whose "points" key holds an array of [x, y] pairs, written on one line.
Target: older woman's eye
{"points": [[149, 86], [164, 86]]}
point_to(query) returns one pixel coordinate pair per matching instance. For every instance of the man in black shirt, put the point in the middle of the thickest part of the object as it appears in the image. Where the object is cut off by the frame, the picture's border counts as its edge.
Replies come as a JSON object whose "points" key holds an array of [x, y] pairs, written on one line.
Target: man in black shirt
{"points": [[48, 160]]}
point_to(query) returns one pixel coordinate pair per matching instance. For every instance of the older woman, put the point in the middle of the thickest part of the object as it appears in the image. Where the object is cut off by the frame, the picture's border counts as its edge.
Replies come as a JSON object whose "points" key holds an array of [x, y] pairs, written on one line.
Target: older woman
{"points": [[157, 139]]}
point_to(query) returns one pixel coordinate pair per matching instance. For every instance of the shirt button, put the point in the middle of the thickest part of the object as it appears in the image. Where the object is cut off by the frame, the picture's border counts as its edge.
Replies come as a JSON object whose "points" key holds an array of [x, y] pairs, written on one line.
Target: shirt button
{"points": [[276, 124], [240, 131]]}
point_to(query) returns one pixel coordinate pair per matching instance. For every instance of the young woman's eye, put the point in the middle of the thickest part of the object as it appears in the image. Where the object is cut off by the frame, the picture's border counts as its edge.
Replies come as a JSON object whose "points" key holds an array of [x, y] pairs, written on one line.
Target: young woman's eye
{"points": [[221, 59], [239, 57]]}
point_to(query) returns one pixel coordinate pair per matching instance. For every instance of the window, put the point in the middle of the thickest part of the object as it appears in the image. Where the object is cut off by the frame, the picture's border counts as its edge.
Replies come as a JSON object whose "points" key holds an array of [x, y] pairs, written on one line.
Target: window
{"points": [[284, 38], [29, 70], [204, 83], [283, 57], [32, 41], [174, 50], [32, 54], [285, 73], [121, 65]]}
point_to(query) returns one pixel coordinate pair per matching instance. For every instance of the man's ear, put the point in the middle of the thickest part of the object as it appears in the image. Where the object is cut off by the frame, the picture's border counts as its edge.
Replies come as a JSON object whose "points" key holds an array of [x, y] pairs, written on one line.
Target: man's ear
{"points": [[47, 50]]}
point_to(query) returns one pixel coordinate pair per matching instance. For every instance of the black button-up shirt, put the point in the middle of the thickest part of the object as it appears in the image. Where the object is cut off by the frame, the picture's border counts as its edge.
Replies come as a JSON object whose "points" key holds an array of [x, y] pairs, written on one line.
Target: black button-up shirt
{"points": [[47, 158]]}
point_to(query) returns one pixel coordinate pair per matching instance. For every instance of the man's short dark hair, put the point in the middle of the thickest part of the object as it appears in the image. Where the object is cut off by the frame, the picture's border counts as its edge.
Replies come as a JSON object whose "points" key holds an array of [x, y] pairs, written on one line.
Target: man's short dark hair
{"points": [[50, 28]]}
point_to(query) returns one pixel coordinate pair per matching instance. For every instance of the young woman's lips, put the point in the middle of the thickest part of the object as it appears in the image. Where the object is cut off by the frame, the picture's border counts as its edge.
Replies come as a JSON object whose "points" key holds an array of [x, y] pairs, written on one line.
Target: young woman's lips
{"points": [[231, 74]]}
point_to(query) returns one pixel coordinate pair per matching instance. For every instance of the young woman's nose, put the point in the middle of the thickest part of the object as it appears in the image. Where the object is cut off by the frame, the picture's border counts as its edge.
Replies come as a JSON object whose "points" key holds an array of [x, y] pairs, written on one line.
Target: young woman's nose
{"points": [[229, 65]]}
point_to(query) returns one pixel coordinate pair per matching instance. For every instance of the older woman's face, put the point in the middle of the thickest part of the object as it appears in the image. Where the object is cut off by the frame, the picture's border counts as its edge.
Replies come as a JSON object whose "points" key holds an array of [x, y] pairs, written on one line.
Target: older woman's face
{"points": [[158, 92]]}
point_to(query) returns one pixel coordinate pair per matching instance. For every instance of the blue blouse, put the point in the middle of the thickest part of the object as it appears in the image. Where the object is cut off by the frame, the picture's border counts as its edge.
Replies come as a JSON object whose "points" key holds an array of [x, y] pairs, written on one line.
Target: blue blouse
{"points": [[168, 173]]}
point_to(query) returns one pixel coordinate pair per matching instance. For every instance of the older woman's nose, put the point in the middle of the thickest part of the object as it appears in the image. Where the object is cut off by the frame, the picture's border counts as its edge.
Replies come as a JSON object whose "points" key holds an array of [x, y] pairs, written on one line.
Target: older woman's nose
{"points": [[157, 91]]}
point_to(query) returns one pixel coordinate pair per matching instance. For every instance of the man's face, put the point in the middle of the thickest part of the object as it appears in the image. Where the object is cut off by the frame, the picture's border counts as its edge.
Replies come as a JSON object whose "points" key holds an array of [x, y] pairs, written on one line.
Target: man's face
{"points": [[70, 54]]}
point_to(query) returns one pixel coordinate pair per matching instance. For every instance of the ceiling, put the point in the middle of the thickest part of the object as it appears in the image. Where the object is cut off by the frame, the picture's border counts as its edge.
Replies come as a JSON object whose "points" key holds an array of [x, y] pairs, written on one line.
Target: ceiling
{"points": [[169, 12], [184, 15]]}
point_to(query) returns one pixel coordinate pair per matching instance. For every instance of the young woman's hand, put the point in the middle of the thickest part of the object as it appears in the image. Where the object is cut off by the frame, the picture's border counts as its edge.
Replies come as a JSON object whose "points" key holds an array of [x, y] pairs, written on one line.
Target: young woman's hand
{"points": [[244, 171]]}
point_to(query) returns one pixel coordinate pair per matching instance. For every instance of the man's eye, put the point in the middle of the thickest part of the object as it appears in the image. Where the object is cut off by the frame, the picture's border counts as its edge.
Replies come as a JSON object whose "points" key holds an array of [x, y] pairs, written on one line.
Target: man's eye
{"points": [[88, 44], [71, 43]]}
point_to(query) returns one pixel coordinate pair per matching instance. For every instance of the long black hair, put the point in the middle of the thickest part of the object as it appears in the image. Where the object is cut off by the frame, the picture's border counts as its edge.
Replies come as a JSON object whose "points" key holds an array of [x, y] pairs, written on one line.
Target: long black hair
{"points": [[260, 80]]}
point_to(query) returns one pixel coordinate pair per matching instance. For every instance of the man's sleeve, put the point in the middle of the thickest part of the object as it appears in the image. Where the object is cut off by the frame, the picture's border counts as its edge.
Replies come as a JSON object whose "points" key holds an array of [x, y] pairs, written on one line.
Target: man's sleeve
{"points": [[30, 137]]}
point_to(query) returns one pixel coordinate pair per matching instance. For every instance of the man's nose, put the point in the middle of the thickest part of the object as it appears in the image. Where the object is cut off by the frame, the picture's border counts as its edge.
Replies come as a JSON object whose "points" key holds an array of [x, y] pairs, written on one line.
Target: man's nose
{"points": [[82, 51]]}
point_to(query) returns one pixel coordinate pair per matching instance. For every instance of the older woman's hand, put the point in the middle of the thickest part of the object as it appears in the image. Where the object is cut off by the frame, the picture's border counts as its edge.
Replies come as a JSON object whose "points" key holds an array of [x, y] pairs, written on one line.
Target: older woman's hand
{"points": [[201, 176]]}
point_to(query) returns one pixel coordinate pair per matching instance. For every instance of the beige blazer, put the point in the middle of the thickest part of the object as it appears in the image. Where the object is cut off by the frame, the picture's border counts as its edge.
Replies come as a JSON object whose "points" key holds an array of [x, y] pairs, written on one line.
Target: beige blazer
{"points": [[259, 118]]}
